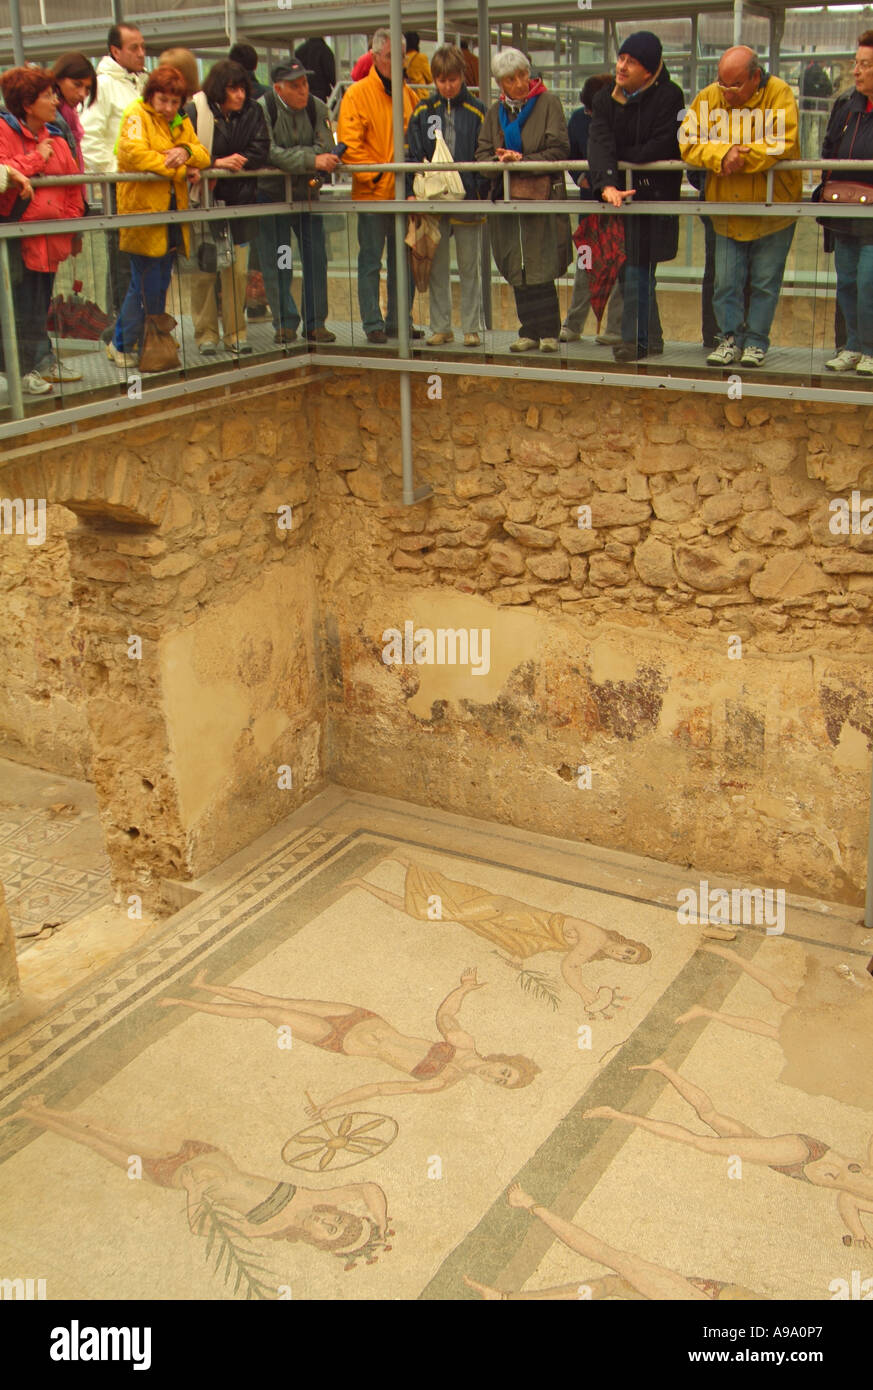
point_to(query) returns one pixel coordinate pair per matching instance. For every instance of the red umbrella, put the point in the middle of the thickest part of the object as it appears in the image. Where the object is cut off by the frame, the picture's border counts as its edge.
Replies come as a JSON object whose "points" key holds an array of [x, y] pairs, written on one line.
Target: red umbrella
{"points": [[604, 237]]}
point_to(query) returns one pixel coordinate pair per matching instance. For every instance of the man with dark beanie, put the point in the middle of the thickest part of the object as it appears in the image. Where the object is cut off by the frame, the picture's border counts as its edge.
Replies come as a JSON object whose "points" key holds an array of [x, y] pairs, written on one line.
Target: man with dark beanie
{"points": [[637, 122]]}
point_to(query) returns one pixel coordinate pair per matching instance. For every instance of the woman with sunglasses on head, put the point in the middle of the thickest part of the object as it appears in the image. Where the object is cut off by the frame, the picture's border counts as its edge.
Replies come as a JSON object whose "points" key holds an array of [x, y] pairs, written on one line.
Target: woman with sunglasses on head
{"points": [[231, 126], [75, 83]]}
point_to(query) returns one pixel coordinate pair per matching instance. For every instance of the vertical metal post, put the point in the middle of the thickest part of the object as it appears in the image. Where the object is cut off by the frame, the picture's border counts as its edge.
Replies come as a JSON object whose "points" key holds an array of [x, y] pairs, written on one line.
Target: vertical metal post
{"points": [[17, 34], [693, 87], [738, 22], [230, 21], [441, 21], [10, 340], [607, 62], [777, 29], [118, 11], [485, 97], [402, 271]]}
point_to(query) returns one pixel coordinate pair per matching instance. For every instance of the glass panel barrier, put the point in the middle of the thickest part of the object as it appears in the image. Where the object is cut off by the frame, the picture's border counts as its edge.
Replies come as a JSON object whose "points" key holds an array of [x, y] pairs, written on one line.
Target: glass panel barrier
{"points": [[277, 285]]}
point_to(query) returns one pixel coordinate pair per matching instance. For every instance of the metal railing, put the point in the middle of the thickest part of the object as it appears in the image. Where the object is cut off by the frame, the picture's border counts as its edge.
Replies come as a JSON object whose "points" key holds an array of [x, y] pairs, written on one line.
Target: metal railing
{"points": [[689, 206]]}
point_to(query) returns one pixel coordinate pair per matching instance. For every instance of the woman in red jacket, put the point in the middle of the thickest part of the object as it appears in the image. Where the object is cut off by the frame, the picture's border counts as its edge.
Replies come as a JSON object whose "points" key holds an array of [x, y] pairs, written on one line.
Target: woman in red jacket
{"points": [[31, 143]]}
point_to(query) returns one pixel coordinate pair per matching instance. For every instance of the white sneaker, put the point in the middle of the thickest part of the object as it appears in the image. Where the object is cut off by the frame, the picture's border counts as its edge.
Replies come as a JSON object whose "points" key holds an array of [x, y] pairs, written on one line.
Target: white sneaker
{"points": [[35, 385], [865, 366], [121, 359], [845, 361], [608, 339], [548, 345], [725, 354], [753, 356], [53, 370], [524, 345], [567, 335]]}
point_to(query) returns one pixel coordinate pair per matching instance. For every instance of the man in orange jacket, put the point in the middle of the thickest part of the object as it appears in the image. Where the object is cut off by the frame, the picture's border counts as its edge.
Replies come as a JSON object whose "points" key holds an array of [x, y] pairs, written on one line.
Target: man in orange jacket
{"points": [[365, 127]]}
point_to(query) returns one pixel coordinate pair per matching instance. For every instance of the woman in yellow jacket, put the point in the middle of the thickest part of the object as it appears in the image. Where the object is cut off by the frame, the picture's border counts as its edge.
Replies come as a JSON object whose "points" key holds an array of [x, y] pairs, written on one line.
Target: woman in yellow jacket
{"points": [[154, 139]]}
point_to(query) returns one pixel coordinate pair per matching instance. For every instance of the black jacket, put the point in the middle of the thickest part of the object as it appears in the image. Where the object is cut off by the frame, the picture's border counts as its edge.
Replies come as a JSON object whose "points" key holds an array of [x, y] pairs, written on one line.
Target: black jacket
{"points": [[641, 130], [850, 135], [317, 57], [242, 132], [468, 114]]}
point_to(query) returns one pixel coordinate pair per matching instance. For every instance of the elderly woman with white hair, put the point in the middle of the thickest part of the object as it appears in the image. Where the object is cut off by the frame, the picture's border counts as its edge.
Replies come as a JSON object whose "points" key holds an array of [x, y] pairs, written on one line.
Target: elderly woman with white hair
{"points": [[530, 250]]}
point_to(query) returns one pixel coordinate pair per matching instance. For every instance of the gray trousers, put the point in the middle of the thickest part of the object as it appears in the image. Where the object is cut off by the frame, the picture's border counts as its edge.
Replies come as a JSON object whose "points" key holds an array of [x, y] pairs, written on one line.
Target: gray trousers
{"points": [[468, 251], [581, 303]]}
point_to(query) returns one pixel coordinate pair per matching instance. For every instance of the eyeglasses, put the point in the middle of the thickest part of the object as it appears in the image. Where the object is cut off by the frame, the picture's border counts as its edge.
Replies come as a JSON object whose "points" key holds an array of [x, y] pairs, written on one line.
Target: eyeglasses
{"points": [[733, 86]]}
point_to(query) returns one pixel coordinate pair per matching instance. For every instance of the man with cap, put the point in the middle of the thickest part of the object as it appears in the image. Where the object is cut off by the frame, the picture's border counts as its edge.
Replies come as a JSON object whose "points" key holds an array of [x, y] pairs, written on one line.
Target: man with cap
{"points": [[636, 121], [365, 126], [301, 143], [736, 129]]}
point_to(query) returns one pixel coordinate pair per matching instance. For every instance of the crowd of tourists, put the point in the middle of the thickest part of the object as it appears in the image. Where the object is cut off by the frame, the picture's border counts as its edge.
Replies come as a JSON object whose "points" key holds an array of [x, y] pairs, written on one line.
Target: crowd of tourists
{"points": [[75, 118]]}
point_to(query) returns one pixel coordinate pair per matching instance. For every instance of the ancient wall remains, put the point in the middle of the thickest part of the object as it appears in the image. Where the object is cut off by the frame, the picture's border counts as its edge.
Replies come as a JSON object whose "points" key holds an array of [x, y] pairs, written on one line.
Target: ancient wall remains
{"points": [[687, 674]]}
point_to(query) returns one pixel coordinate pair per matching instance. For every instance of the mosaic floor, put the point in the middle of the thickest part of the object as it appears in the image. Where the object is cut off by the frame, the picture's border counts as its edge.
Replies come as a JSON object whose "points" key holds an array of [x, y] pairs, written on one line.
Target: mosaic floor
{"points": [[391, 1054], [52, 862]]}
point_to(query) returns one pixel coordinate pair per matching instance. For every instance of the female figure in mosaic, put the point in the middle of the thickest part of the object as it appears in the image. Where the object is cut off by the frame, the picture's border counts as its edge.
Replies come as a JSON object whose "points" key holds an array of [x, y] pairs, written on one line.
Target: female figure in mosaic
{"points": [[349, 1221], [357, 1032], [516, 928], [634, 1278], [826, 1032], [797, 1156]]}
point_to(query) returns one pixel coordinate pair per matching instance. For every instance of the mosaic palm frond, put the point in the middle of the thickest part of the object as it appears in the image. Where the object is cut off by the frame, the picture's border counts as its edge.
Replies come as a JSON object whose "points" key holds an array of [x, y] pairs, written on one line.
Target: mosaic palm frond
{"points": [[231, 1255], [535, 982]]}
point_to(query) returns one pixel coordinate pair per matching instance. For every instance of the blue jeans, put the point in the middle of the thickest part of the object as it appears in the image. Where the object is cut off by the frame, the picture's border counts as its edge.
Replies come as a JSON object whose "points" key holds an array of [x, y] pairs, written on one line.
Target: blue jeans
{"points": [[853, 260], [375, 230], [146, 294], [275, 232], [640, 320], [762, 263]]}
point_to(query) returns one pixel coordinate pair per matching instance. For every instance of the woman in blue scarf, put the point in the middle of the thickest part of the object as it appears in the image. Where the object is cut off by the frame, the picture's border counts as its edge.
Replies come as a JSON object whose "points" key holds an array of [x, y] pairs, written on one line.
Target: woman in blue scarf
{"points": [[532, 250]]}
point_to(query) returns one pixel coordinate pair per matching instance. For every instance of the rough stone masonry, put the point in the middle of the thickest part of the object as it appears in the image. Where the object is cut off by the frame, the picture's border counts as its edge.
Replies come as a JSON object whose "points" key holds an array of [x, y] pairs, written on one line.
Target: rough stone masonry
{"points": [[702, 647]]}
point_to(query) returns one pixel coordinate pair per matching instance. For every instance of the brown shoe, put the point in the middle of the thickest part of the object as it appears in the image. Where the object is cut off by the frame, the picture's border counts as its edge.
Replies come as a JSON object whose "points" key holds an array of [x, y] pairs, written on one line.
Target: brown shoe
{"points": [[320, 335], [285, 335], [378, 335]]}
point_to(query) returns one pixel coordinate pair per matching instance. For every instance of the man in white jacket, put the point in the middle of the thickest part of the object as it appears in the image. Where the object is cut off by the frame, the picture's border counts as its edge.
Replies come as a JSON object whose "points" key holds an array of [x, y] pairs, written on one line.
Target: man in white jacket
{"points": [[121, 78]]}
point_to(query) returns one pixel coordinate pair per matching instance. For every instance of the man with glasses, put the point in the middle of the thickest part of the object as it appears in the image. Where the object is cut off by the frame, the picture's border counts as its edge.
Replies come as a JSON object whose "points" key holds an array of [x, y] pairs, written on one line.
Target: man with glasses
{"points": [[736, 129]]}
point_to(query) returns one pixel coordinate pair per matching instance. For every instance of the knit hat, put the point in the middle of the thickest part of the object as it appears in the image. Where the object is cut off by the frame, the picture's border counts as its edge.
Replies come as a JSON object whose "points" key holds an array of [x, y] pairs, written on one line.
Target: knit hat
{"points": [[645, 47]]}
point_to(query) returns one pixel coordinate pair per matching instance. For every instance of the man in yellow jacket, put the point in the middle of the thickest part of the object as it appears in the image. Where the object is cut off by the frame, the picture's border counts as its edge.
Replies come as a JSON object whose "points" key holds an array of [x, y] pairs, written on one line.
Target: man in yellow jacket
{"points": [[737, 129], [365, 127]]}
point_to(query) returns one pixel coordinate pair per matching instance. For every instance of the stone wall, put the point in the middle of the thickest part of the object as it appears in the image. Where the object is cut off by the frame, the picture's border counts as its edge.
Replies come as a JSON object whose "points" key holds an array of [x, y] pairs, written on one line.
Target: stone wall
{"points": [[42, 708], [699, 653], [613, 646], [197, 615]]}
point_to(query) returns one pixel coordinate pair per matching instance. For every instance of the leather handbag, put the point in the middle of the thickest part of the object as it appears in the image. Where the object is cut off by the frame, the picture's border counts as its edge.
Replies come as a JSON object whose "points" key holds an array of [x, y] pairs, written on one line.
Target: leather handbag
{"points": [[532, 187], [159, 351]]}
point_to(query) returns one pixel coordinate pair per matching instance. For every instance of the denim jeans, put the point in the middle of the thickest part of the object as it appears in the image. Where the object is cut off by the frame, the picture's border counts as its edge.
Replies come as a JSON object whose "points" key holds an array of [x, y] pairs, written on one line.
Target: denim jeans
{"points": [[853, 261], [146, 294], [762, 263], [640, 320], [275, 232], [375, 232]]}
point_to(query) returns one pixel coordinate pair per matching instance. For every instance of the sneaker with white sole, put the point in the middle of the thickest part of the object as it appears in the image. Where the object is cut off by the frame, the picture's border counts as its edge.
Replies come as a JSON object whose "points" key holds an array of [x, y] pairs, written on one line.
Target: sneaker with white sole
{"points": [[548, 345], [865, 366], [569, 335], [524, 345], [53, 370], [35, 385], [725, 354], [121, 359], [753, 356], [845, 361], [440, 339], [608, 339]]}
